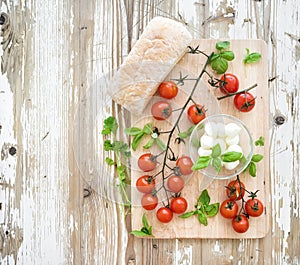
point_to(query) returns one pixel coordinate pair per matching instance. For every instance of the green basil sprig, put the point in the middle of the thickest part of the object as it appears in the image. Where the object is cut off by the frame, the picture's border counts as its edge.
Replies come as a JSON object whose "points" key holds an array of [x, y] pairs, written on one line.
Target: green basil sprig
{"points": [[138, 135], [216, 159], [251, 57], [146, 230], [219, 60], [203, 209]]}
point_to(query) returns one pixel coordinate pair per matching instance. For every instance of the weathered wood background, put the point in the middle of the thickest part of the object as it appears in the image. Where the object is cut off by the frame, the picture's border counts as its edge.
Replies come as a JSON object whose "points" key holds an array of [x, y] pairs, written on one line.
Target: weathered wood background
{"points": [[52, 53]]}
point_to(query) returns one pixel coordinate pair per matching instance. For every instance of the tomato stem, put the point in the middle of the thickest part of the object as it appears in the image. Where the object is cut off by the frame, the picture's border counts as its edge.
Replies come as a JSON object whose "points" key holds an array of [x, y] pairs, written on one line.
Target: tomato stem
{"points": [[238, 92]]}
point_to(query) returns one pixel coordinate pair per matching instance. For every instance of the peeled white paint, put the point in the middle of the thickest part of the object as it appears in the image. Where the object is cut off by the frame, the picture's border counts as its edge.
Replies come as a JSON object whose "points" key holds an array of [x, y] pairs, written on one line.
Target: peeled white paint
{"points": [[222, 144], [232, 140], [204, 152], [207, 141], [231, 130], [231, 165]]}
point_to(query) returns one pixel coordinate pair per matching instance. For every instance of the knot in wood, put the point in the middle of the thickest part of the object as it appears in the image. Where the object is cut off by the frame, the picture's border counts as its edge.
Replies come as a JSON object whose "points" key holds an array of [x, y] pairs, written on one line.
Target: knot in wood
{"points": [[279, 119]]}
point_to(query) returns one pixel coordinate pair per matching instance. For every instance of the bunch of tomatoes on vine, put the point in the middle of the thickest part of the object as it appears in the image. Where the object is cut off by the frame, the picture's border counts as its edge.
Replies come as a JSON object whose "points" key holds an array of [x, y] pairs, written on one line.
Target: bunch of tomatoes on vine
{"points": [[240, 215]]}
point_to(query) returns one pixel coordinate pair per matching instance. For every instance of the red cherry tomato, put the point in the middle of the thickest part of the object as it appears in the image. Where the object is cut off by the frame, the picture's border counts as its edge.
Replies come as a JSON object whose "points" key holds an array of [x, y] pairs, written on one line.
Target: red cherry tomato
{"points": [[149, 202], [175, 183], [168, 90], [229, 209], [161, 110], [244, 102], [145, 184], [184, 164], [229, 84], [254, 207], [235, 190], [240, 223], [164, 214], [196, 113], [147, 162], [178, 205]]}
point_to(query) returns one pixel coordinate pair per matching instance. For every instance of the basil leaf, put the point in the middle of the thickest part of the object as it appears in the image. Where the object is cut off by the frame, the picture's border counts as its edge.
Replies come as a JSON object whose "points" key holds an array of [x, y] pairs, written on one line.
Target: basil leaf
{"points": [[252, 169], [217, 164], [243, 159], [147, 128], [260, 141], [132, 131], [139, 233], [109, 161], [216, 151], [256, 158], [231, 156], [186, 133], [220, 65], [110, 125], [227, 55], [252, 57], [136, 141], [202, 162], [144, 221], [149, 144], [202, 218], [204, 198], [188, 214], [222, 45], [161, 144], [107, 145], [214, 57], [212, 209]]}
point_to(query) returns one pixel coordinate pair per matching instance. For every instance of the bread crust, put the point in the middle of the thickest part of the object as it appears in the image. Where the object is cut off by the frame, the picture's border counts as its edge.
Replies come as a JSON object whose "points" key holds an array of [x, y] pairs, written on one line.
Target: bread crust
{"points": [[162, 44]]}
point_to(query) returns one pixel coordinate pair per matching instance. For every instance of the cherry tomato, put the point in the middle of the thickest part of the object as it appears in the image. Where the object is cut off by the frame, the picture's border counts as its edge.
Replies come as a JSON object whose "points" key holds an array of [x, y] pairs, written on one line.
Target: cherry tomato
{"points": [[168, 90], [147, 162], [235, 190], [145, 184], [196, 113], [254, 207], [178, 205], [149, 202], [244, 102], [184, 164], [240, 223], [175, 183], [229, 84], [229, 209], [161, 110], [164, 214]]}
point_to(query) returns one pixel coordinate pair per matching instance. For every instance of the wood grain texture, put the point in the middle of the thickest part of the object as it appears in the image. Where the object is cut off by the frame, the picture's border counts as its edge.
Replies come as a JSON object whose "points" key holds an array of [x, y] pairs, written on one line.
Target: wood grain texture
{"points": [[53, 53]]}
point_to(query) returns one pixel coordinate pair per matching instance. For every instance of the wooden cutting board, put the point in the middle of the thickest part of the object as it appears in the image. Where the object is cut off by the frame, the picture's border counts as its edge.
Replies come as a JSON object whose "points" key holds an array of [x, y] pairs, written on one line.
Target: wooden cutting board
{"points": [[256, 120]]}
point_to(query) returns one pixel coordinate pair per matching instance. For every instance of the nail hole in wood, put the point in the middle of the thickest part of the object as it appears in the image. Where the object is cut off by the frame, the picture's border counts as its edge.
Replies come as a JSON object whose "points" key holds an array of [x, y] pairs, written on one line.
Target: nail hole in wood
{"points": [[155, 246], [2, 19], [6, 232], [12, 151], [279, 119], [86, 192]]}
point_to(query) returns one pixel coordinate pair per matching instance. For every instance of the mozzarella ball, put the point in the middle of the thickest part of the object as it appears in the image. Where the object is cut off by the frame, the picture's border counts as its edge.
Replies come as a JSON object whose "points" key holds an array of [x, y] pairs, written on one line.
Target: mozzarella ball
{"points": [[206, 141], [211, 129], [222, 144], [220, 130], [204, 152], [231, 165], [235, 148], [232, 130], [232, 141]]}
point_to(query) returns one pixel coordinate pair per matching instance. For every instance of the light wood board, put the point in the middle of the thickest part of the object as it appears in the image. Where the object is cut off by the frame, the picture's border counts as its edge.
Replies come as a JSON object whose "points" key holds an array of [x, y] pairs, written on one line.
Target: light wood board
{"points": [[256, 120]]}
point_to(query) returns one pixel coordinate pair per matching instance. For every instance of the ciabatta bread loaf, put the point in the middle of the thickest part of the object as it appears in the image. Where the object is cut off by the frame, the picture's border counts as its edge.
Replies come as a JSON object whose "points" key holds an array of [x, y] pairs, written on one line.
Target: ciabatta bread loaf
{"points": [[160, 47]]}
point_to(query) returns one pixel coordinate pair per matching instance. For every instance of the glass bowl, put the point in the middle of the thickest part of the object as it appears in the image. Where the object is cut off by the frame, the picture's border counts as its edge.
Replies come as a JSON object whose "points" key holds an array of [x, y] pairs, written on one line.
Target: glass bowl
{"points": [[230, 134]]}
